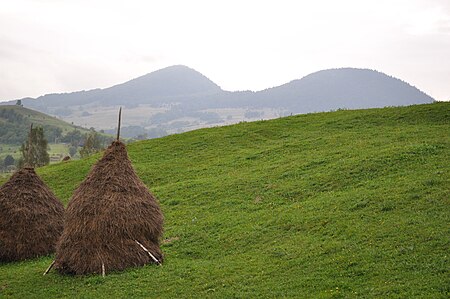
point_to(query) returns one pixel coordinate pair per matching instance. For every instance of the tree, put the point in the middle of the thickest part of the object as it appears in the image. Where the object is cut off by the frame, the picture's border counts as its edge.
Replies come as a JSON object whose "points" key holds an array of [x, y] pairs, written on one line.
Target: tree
{"points": [[34, 149], [9, 160], [53, 133], [92, 144], [72, 151], [73, 137], [19, 103]]}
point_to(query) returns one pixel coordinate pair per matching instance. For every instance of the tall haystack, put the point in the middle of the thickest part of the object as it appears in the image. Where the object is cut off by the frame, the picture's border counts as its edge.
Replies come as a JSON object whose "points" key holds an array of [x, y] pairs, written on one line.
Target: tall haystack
{"points": [[112, 221], [31, 217]]}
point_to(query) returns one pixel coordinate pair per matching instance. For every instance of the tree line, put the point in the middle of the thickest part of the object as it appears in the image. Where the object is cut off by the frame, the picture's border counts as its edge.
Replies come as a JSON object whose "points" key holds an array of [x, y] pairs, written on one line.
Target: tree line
{"points": [[34, 150]]}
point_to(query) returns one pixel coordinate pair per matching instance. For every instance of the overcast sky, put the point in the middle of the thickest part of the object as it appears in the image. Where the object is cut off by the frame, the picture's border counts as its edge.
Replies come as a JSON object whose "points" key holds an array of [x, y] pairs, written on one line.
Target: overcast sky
{"points": [[51, 46]]}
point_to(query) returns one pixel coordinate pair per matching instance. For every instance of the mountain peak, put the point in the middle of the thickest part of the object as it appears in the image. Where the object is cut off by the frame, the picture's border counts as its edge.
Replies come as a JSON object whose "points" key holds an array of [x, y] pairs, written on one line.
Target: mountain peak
{"points": [[172, 81]]}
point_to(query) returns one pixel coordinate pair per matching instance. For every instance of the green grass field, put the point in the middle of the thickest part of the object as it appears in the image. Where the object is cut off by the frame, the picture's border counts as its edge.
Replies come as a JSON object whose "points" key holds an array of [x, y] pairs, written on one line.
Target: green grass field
{"points": [[348, 204], [40, 119], [9, 149], [57, 151]]}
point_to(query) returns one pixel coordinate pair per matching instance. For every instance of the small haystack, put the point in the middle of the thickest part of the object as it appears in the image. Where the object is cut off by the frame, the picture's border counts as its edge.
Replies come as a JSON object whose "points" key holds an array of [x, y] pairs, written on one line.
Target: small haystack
{"points": [[112, 221], [31, 217]]}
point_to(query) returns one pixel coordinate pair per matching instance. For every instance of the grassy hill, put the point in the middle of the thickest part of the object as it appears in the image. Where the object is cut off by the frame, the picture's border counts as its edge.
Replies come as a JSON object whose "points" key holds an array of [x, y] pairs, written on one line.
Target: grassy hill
{"points": [[348, 204], [15, 124], [15, 121]]}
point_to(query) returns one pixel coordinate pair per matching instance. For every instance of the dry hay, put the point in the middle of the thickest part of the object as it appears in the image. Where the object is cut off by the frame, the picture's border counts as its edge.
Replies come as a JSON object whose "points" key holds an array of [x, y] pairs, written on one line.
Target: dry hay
{"points": [[31, 217], [107, 214]]}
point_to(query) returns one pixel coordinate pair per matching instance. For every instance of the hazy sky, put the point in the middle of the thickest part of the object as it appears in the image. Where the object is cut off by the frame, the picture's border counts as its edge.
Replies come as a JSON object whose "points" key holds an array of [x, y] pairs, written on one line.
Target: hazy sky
{"points": [[51, 46]]}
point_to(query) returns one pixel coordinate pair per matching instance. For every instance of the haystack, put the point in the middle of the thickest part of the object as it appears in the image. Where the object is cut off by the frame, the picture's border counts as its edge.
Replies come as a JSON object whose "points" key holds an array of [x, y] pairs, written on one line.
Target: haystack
{"points": [[31, 217], [112, 221]]}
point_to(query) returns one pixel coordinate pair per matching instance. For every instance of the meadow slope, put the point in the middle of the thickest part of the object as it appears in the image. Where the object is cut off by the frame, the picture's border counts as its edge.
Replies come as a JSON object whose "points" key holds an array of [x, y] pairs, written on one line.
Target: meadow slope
{"points": [[346, 204], [16, 119]]}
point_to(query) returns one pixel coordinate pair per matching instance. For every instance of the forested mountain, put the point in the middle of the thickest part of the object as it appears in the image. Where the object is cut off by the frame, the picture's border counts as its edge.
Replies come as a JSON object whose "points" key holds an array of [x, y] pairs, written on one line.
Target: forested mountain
{"points": [[164, 86], [342, 88]]}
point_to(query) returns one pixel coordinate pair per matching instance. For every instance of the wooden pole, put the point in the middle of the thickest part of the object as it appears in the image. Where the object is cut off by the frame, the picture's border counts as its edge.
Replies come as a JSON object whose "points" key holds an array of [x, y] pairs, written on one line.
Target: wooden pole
{"points": [[28, 149], [49, 268], [149, 253], [118, 127]]}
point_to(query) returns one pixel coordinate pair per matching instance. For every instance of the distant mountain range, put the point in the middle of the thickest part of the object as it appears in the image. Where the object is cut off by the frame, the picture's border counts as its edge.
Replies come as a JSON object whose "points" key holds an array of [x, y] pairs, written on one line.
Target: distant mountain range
{"points": [[178, 98]]}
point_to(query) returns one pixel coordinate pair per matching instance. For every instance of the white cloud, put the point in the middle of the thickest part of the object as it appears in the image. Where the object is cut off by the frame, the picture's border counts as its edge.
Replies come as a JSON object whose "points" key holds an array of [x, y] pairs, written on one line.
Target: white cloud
{"points": [[54, 46]]}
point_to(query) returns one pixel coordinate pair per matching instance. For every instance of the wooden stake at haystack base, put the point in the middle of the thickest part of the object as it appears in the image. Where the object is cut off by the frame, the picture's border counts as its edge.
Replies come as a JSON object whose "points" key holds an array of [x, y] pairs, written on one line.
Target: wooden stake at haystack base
{"points": [[111, 209], [49, 267], [149, 253]]}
